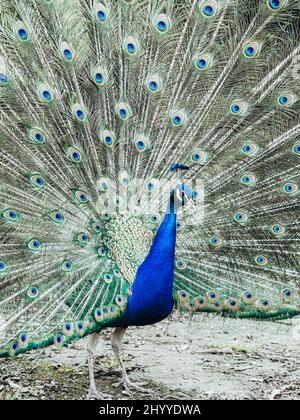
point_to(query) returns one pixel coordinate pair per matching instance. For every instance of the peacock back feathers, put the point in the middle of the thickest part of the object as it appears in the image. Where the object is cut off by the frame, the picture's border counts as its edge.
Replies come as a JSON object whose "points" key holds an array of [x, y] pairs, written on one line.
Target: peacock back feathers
{"points": [[97, 100]]}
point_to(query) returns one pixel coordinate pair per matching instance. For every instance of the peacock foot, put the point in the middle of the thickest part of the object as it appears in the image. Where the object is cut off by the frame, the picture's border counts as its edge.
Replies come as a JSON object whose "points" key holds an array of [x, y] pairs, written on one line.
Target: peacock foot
{"points": [[129, 386], [94, 394]]}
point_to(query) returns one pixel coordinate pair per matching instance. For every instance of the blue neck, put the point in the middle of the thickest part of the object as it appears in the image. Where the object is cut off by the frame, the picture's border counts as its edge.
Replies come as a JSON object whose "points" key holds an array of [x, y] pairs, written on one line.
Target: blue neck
{"points": [[151, 299]]}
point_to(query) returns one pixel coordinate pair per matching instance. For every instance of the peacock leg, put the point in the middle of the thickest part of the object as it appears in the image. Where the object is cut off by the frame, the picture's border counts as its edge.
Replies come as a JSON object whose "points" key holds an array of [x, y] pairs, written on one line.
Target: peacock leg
{"points": [[93, 392], [116, 341]]}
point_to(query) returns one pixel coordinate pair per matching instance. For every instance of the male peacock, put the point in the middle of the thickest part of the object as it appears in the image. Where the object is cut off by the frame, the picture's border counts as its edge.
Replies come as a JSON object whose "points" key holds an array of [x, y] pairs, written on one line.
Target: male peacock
{"points": [[98, 101]]}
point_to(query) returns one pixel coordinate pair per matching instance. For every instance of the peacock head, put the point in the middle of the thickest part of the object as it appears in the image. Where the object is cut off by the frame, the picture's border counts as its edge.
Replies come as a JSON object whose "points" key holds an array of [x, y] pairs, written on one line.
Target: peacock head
{"points": [[181, 196]]}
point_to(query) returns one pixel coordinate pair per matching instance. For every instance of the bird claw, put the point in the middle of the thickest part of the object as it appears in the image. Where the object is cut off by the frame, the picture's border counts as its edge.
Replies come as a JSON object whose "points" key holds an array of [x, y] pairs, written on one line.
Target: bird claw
{"points": [[94, 394], [128, 386]]}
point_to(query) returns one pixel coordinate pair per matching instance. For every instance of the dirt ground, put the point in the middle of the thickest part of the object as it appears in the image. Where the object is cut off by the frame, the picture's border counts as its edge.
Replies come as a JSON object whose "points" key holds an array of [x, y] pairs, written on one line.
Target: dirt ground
{"points": [[213, 359]]}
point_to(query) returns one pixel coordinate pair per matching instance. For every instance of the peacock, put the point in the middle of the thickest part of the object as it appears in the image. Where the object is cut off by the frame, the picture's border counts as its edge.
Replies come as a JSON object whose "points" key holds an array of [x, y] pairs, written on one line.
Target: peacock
{"points": [[149, 160]]}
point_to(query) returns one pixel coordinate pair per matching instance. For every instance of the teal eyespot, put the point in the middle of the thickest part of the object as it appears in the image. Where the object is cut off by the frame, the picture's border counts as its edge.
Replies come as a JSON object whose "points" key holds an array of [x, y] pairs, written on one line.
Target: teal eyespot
{"points": [[213, 297], [56, 216], [22, 32], [13, 347], [73, 154], [46, 93], [289, 295], [23, 340], [241, 217], [209, 8], [10, 215], [4, 79], [251, 49], [83, 238], [3, 266], [261, 260], [37, 181], [248, 180], [67, 52], [123, 111], [37, 136], [238, 108], [80, 328], [120, 301], [98, 314], [296, 149], [68, 329], [203, 62], [249, 149], [278, 229], [79, 112], [290, 188], [232, 304], [276, 5], [131, 46], [100, 76], [34, 245], [264, 304], [216, 241], [96, 227], [101, 13], [67, 266], [59, 341], [81, 197], [178, 118], [152, 185], [154, 83], [33, 292], [198, 156], [162, 24], [107, 137], [108, 278], [102, 251], [181, 265], [248, 297], [183, 296], [286, 100]]}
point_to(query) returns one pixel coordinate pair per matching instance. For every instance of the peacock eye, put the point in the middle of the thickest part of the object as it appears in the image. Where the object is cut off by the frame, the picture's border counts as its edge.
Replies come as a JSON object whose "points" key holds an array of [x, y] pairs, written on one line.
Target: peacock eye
{"points": [[286, 100], [98, 314], [96, 227], [10, 215], [37, 181], [289, 295], [4, 79], [183, 296], [203, 62], [290, 188], [81, 197], [123, 111], [80, 328], [251, 49], [67, 266], [46, 93], [162, 23], [74, 155], [238, 108], [83, 238], [59, 341], [216, 241], [131, 46], [37, 136], [22, 32], [261, 260], [154, 83], [68, 329], [3, 267], [241, 217], [249, 149], [33, 292], [56, 216], [213, 296], [79, 112], [181, 265], [101, 251], [66, 52], [264, 304], [99, 76], [278, 230], [296, 149], [209, 8], [23, 340], [198, 156], [180, 226], [232, 304], [155, 218], [101, 13], [108, 278], [276, 5], [34, 245], [248, 180], [248, 297], [107, 137], [152, 185], [13, 347], [120, 301], [178, 118]]}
